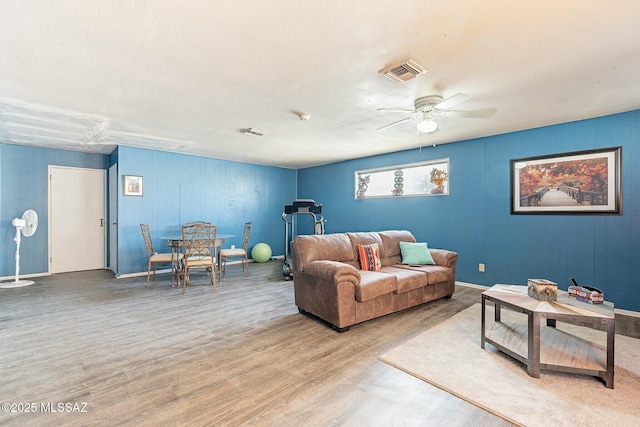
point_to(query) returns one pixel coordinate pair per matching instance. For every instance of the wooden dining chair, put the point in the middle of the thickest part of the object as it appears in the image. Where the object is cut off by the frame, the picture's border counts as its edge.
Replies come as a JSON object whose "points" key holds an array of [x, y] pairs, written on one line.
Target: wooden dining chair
{"points": [[242, 252], [198, 244], [155, 259]]}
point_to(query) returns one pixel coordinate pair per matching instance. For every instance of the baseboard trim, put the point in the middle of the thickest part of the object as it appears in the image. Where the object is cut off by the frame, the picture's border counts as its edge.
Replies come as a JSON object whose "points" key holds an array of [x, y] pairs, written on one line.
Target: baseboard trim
{"points": [[472, 285], [25, 276], [627, 312]]}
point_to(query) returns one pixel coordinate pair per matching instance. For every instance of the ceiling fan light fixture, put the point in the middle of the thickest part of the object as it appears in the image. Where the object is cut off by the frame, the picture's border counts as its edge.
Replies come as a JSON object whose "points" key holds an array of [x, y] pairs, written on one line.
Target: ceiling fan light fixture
{"points": [[427, 125]]}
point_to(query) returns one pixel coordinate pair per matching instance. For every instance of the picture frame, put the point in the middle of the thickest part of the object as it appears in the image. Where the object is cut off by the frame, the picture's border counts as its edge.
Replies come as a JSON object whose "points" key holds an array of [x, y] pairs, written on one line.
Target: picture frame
{"points": [[133, 185], [579, 182]]}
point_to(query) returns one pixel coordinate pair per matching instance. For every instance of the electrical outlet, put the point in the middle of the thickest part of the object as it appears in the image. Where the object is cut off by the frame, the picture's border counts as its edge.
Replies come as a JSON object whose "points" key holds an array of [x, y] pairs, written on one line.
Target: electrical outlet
{"points": [[481, 268]]}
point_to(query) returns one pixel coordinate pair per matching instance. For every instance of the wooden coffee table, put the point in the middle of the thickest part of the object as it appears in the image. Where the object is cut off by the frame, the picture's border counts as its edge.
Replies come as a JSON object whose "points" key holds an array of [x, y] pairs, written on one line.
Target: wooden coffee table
{"points": [[561, 351]]}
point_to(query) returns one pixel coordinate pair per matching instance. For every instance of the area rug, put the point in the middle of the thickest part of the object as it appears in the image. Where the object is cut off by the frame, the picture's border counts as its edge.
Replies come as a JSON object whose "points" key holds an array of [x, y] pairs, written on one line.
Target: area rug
{"points": [[449, 357]]}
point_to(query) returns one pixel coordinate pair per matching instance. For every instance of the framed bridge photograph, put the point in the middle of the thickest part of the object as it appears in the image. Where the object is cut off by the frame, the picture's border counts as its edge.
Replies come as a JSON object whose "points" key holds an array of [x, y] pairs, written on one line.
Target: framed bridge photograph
{"points": [[580, 182]]}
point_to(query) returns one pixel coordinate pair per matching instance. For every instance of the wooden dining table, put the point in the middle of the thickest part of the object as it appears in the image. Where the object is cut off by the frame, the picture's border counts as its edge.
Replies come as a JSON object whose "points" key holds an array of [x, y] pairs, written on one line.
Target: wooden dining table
{"points": [[174, 242]]}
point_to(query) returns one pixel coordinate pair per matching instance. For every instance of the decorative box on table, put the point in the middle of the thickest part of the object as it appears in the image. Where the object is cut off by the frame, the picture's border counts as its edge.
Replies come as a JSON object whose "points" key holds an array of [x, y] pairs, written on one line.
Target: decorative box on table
{"points": [[586, 294], [542, 289]]}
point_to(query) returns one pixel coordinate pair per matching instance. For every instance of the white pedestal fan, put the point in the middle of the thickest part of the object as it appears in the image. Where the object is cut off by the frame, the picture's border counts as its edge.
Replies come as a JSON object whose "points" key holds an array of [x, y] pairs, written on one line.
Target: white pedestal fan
{"points": [[25, 226]]}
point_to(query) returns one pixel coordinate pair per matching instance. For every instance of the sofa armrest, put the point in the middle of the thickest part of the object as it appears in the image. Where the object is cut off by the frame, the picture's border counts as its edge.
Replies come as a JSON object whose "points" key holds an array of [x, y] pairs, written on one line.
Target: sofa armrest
{"points": [[332, 271], [444, 257]]}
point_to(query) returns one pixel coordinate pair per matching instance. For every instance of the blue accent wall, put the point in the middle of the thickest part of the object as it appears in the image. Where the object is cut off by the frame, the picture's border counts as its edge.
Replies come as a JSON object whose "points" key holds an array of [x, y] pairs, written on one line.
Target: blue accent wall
{"points": [[475, 219], [24, 185], [177, 188], [180, 188]]}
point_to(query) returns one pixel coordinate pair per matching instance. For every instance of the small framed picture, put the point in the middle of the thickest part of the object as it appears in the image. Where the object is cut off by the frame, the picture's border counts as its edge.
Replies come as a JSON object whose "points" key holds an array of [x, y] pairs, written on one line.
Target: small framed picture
{"points": [[132, 185]]}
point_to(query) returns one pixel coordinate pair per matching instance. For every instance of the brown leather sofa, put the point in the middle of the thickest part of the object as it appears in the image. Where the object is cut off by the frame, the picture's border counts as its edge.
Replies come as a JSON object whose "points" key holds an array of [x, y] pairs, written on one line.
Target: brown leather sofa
{"points": [[329, 284]]}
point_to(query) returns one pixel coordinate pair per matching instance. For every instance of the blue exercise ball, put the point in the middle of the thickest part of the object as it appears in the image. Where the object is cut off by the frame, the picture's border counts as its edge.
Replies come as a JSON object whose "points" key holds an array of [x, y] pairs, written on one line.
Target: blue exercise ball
{"points": [[261, 252]]}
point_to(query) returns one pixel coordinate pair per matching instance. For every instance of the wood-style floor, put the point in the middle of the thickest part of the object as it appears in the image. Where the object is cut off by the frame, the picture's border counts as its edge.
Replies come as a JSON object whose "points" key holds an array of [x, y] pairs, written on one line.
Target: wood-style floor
{"points": [[240, 356]]}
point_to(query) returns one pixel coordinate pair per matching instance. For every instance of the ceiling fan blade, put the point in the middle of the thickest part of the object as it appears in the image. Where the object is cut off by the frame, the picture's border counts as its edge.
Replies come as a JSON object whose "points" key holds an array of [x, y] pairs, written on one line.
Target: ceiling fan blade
{"points": [[451, 101], [474, 114], [395, 110], [406, 119]]}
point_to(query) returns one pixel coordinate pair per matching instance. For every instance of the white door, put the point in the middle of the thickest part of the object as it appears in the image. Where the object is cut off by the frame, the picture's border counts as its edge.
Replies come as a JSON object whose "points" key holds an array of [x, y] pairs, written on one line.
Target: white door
{"points": [[113, 218], [76, 219]]}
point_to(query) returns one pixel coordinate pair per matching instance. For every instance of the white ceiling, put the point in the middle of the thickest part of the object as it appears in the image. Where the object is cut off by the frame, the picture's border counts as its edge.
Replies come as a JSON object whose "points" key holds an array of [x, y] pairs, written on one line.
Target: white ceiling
{"points": [[186, 76]]}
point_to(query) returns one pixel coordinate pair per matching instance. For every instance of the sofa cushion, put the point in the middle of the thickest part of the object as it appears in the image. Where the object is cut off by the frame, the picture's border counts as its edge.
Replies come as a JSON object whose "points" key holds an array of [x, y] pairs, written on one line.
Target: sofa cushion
{"points": [[415, 254], [373, 284], [363, 238], [406, 280], [390, 250], [435, 273], [369, 257]]}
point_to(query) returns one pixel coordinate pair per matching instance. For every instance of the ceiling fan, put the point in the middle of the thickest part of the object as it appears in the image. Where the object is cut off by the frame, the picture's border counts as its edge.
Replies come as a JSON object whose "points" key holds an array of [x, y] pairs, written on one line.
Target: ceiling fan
{"points": [[428, 107]]}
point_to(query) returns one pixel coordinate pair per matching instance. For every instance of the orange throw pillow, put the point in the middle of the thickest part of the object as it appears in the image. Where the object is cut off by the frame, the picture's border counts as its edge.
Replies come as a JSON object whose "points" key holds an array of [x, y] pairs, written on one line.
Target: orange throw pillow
{"points": [[369, 257]]}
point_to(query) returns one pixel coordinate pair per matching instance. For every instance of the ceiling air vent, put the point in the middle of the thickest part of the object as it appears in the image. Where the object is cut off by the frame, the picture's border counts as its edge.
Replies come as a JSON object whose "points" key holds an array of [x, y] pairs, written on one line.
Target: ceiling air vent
{"points": [[403, 71], [253, 131]]}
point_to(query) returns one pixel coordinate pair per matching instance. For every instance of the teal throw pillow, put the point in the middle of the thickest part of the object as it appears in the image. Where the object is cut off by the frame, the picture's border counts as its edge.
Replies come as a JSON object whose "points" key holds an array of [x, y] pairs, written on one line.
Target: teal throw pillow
{"points": [[415, 254]]}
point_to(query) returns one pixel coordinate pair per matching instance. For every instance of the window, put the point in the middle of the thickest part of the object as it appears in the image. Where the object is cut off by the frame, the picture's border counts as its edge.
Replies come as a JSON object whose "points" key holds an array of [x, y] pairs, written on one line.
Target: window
{"points": [[414, 179]]}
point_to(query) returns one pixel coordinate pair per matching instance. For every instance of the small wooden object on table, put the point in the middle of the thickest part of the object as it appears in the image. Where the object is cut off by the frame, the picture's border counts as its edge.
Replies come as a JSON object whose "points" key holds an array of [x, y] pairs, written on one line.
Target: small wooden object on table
{"points": [[542, 289], [561, 351]]}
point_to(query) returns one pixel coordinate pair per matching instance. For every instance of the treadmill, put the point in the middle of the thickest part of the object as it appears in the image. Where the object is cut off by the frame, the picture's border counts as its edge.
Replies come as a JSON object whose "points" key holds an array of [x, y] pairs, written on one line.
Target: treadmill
{"points": [[298, 207]]}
